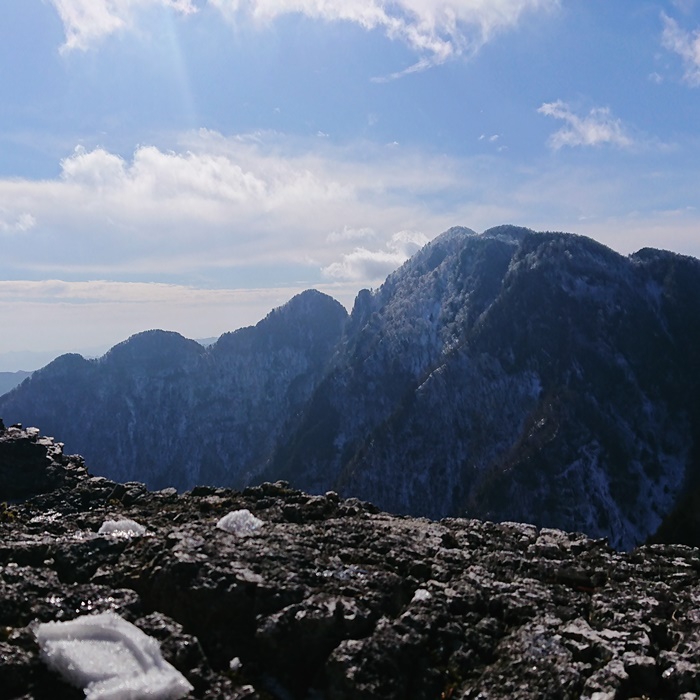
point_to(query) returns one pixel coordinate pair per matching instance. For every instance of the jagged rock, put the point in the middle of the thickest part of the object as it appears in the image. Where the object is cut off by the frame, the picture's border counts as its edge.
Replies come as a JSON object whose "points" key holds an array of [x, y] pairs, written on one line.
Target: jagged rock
{"points": [[331, 598], [32, 464]]}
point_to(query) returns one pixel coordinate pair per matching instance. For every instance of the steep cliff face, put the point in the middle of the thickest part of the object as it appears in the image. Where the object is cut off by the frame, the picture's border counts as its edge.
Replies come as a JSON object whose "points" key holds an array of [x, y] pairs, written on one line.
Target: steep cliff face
{"points": [[508, 375], [164, 410]]}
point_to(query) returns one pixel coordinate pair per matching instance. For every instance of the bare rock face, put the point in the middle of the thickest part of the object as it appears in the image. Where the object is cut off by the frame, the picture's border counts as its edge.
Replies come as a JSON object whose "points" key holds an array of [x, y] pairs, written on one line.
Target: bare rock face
{"points": [[330, 598]]}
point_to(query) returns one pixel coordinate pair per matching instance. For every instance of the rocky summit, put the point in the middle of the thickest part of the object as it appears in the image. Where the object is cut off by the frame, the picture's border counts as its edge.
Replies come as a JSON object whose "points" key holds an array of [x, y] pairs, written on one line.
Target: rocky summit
{"points": [[272, 593]]}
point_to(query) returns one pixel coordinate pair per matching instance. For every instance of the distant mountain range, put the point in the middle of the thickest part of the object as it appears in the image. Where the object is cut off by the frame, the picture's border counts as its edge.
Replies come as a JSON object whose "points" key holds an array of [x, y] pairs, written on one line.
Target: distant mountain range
{"points": [[509, 375]]}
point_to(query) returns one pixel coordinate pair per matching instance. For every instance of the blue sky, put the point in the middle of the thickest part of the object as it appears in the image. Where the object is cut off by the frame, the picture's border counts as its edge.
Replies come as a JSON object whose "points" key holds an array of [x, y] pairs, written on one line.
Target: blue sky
{"points": [[190, 164]]}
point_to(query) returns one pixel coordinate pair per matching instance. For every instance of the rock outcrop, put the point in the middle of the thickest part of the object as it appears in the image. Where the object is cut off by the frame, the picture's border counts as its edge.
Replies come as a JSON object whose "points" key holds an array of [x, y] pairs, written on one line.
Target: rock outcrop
{"points": [[330, 598]]}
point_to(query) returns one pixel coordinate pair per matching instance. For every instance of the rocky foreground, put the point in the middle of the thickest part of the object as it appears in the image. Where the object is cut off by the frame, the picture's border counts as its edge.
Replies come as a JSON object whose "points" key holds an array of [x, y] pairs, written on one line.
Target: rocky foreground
{"points": [[330, 598]]}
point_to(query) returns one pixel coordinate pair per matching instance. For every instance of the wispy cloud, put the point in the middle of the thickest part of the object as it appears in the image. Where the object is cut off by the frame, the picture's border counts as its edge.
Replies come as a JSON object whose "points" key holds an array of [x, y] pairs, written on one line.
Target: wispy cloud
{"points": [[685, 6], [596, 128], [437, 30], [684, 43], [86, 22], [108, 291], [351, 234]]}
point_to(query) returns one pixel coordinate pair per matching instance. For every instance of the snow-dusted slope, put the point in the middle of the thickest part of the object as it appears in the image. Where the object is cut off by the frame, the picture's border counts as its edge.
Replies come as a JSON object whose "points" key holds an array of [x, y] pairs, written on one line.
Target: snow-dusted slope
{"points": [[515, 375]]}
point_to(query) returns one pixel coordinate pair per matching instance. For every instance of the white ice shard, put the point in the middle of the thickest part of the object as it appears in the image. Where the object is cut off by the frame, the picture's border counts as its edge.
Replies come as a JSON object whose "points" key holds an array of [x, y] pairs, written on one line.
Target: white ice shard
{"points": [[239, 522], [110, 659]]}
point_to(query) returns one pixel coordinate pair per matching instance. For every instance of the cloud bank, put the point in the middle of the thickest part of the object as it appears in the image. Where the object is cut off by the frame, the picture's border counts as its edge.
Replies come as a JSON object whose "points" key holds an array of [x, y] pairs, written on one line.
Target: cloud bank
{"points": [[269, 210], [219, 206]]}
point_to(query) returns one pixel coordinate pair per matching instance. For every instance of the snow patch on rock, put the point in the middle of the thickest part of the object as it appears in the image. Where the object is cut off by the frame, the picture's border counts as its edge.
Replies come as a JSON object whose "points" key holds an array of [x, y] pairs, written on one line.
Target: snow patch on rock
{"points": [[110, 659], [239, 522], [122, 528], [420, 595]]}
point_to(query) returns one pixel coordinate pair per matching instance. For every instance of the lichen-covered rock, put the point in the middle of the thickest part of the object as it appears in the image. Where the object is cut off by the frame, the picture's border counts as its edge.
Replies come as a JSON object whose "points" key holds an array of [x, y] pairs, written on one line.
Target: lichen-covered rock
{"points": [[332, 599]]}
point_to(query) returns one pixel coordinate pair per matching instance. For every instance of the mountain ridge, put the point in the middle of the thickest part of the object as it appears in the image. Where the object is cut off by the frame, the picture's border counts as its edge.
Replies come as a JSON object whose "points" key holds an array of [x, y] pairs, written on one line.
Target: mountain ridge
{"points": [[512, 374]]}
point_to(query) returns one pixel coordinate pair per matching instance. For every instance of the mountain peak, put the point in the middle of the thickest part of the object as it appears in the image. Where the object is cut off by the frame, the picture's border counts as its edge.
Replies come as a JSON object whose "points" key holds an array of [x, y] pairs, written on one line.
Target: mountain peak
{"points": [[455, 233], [508, 232], [309, 303], [152, 348]]}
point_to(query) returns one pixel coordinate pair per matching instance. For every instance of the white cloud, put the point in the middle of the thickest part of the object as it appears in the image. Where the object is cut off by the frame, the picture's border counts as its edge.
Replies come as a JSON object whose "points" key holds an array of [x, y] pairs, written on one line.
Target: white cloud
{"points": [[217, 181], [686, 45], [86, 22], [372, 266], [96, 168], [435, 29], [369, 266], [438, 30], [596, 128]]}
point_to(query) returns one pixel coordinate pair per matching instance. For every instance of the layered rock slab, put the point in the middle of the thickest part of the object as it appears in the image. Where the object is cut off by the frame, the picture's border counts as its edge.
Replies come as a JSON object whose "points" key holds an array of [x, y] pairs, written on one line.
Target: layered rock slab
{"points": [[330, 598]]}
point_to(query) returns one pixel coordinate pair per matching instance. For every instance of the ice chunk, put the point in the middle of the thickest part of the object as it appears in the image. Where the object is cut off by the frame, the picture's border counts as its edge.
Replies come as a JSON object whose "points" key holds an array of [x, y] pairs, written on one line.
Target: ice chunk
{"points": [[122, 528], [239, 522], [110, 659], [421, 594]]}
